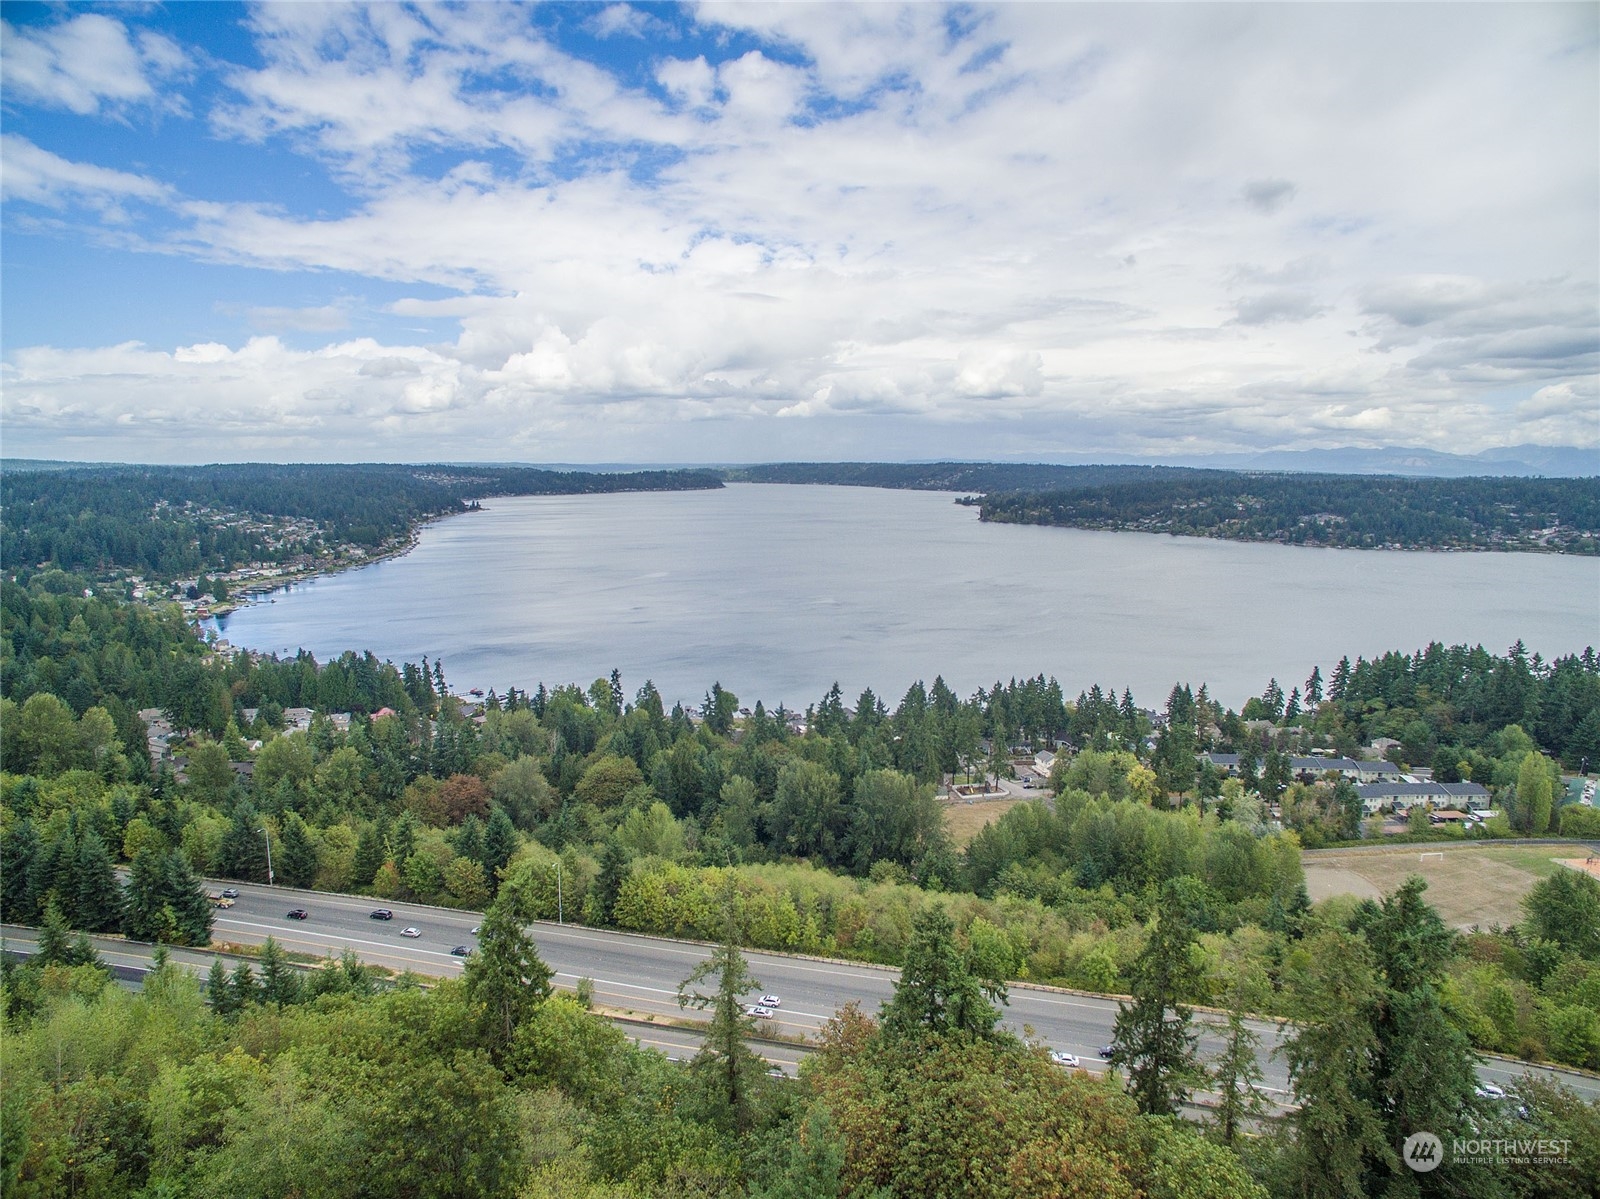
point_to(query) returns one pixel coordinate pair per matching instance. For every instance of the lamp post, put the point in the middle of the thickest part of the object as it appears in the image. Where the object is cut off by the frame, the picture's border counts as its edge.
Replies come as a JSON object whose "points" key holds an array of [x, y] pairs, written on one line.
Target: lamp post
{"points": [[559, 917], [268, 836]]}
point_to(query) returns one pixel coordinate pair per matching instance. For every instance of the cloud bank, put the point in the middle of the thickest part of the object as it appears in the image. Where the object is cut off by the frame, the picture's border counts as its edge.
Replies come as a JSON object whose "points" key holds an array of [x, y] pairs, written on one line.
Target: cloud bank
{"points": [[763, 232]]}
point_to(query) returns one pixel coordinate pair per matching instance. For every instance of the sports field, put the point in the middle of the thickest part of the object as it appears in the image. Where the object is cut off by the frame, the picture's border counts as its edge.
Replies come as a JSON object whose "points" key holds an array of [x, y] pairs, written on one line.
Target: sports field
{"points": [[1476, 884]]}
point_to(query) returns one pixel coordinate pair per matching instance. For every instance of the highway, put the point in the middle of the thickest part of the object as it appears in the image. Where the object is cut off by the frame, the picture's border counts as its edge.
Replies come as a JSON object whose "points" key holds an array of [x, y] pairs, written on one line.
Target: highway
{"points": [[129, 962], [637, 976]]}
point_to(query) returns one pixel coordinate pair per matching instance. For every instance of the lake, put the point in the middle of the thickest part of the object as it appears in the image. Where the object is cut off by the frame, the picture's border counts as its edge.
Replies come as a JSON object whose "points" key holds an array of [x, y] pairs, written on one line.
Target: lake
{"points": [[777, 591]]}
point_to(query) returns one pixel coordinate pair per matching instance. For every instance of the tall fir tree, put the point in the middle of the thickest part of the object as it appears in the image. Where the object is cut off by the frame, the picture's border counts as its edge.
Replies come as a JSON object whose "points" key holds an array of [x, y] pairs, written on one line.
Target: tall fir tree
{"points": [[371, 852], [296, 862], [19, 850], [280, 982], [97, 903], [1336, 1131], [1152, 1037], [220, 992], [937, 992], [242, 982], [506, 979], [724, 1061], [190, 908], [500, 842]]}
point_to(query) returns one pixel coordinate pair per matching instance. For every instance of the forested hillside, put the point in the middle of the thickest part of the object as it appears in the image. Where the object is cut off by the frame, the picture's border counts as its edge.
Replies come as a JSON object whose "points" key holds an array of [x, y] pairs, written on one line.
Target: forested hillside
{"points": [[171, 521], [1363, 512]]}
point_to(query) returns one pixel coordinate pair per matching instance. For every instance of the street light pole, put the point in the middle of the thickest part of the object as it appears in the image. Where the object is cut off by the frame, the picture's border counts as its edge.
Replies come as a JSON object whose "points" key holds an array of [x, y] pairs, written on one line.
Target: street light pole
{"points": [[268, 836], [559, 918]]}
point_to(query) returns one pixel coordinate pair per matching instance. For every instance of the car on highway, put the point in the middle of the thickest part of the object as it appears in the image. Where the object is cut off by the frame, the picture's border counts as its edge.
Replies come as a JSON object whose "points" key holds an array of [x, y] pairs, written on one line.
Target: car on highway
{"points": [[1070, 1060], [760, 1012], [770, 1001], [1106, 1051], [221, 901], [1488, 1090], [411, 930], [230, 892], [476, 929], [299, 914], [381, 914], [461, 951]]}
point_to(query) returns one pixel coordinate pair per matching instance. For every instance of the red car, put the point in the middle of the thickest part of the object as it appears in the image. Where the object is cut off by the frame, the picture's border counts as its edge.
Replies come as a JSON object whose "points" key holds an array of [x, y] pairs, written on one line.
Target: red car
{"points": [[299, 914]]}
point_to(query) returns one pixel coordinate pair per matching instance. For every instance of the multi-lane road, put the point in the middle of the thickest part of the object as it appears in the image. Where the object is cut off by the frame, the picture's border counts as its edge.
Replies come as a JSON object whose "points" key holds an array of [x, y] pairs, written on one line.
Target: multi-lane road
{"points": [[638, 976]]}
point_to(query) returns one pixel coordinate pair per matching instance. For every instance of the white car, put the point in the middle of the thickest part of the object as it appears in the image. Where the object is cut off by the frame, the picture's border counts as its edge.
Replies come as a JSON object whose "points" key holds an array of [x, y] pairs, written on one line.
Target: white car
{"points": [[411, 931], [760, 1012], [1488, 1090], [1070, 1060], [770, 1001]]}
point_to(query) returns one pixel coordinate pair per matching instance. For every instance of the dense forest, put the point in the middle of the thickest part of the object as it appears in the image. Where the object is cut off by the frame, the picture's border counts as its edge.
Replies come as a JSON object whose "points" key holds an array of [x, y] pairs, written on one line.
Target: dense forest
{"points": [[1326, 510], [172, 521]]}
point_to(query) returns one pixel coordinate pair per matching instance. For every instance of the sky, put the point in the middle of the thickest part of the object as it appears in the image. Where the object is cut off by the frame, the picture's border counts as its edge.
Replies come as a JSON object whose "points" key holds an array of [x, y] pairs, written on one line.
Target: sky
{"points": [[750, 232]]}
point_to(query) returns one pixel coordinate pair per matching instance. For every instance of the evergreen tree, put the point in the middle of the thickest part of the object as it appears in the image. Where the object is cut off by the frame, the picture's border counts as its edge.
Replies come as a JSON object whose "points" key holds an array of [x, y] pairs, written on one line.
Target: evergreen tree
{"points": [[1314, 688], [97, 902], [54, 871], [615, 865], [1336, 1130], [1341, 680], [224, 998], [370, 854], [506, 979], [280, 982], [190, 908], [1424, 1070], [404, 841], [724, 1060], [500, 842], [19, 850], [1236, 1070], [296, 860], [246, 989], [469, 840], [937, 993], [242, 852], [54, 946], [145, 914], [1152, 1037]]}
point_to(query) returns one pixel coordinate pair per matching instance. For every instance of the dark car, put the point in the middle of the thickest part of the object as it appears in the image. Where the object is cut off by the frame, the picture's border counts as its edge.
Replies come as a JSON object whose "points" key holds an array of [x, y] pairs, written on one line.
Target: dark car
{"points": [[1106, 1051], [230, 892], [461, 951], [299, 914], [381, 914]]}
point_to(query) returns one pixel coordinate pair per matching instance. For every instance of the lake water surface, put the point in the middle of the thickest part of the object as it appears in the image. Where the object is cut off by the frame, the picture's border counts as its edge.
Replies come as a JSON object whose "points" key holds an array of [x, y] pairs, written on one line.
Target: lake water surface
{"points": [[778, 591]]}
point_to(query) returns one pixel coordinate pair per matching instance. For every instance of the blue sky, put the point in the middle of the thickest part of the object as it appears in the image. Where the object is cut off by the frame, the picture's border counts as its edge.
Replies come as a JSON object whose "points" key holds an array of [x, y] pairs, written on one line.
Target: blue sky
{"points": [[744, 232]]}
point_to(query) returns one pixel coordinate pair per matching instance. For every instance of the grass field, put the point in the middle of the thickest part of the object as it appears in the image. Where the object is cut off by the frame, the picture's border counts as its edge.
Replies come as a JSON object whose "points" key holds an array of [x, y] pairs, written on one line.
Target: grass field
{"points": [[963, 820], [1479, 884]]}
